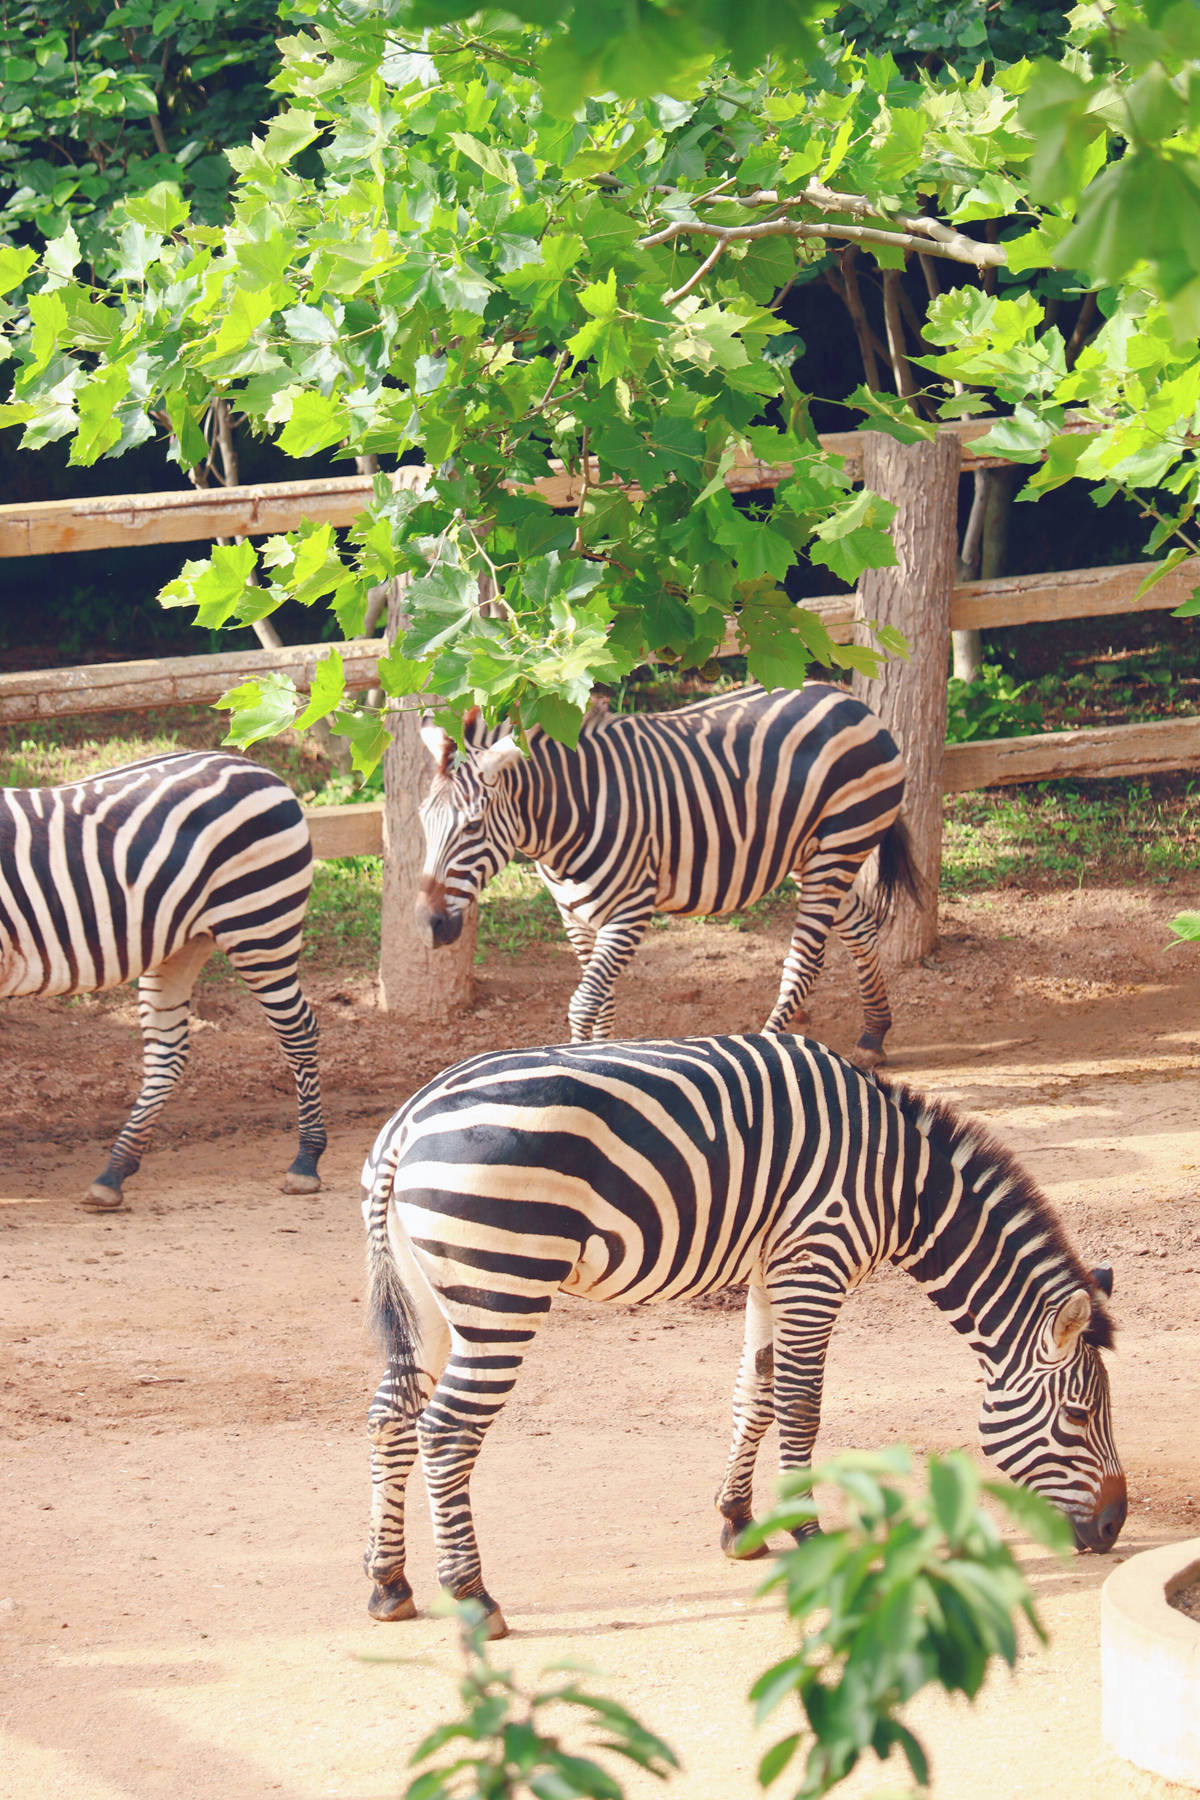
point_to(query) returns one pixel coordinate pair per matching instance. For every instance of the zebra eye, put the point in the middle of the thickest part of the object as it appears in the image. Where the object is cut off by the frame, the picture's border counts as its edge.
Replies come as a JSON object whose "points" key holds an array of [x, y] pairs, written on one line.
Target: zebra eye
{"points": [[1078, 1416]]}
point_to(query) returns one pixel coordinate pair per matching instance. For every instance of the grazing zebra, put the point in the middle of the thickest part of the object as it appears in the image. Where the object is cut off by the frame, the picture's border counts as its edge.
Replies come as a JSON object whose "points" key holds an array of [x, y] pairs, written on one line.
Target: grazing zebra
{"points": [[144, 871], [703, 810], [652, 1171]]}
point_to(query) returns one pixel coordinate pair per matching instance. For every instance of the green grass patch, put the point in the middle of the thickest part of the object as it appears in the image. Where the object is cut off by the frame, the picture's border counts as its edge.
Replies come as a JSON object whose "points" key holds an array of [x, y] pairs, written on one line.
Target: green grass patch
{"points": [[516, 910], [1055, 834], [61, 750], [342, 928]]}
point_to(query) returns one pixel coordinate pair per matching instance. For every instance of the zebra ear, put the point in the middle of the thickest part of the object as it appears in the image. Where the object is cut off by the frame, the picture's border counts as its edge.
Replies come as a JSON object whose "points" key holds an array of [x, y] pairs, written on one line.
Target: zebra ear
{"points": [[439, 744], [1072, 1318], [493, 759], [1102, 1276]]}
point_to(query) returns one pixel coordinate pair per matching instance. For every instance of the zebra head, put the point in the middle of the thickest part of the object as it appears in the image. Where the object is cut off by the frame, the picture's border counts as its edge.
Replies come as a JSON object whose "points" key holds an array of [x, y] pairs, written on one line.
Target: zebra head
{"points": [[1048, 1423], [471, 826]]}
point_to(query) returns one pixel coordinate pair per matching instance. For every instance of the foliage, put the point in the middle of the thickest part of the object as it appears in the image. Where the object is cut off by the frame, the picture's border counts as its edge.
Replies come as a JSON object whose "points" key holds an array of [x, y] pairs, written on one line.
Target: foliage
{"points": [[506, 1749], [447, 249], [911, 1590], [965, 34], [991, 706], [1186, 927], [482, 279], [105, 100]]}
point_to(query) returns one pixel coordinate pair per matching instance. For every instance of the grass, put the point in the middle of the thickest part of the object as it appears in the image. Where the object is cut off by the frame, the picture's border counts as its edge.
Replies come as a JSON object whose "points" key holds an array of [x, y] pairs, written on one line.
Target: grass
{"points": [[1059, 833]]}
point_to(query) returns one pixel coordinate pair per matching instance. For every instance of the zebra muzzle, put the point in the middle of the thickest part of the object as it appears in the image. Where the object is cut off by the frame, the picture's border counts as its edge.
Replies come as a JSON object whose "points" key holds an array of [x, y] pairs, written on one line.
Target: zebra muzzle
{"points": [[436, 920], [1099, 1533]]}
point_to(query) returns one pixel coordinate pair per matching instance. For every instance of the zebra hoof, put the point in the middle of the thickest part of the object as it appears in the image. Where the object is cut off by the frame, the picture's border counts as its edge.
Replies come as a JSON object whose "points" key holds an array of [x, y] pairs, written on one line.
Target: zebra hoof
{"points": [[300, 1184], [868, 1054], [101, 1199], [731, 1532], [392, 1601], [495, 1625]]}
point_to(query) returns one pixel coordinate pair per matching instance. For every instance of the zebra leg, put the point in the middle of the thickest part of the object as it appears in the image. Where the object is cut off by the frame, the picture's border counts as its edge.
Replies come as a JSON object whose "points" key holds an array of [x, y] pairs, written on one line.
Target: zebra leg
{"points": [[857, 927], [392, 1429], [591, 1009], [477, 1381], [753, 1411], [270, 974], [823, 885], [805, 1312], [164, 995]]}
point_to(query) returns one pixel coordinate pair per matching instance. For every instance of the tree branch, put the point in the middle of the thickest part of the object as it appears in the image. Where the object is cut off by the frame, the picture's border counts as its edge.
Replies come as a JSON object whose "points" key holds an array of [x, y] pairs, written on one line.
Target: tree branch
{"points": [[914, 231]]}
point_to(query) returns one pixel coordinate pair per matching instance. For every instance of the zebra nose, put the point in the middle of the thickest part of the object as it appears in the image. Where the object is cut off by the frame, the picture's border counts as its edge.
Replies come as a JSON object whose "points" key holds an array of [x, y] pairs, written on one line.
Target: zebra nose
{"points": [[442, 927], [1108, 1525], [1101, 1531]]}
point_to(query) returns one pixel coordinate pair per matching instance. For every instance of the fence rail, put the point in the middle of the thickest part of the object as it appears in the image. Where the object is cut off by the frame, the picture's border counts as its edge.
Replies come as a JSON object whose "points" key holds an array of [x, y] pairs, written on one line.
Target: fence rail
{"points": [[196, 515]]}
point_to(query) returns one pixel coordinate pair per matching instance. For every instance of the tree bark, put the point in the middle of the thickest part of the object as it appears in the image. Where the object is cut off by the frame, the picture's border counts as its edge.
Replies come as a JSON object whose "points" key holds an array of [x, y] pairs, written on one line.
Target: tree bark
{"points": [[414, 978], [921, 480]]}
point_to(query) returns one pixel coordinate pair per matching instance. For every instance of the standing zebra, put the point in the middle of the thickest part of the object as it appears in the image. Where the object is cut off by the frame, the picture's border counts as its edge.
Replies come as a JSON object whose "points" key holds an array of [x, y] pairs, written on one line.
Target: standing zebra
{"points": [[650, 1171], [144, 871], [703, 810]]}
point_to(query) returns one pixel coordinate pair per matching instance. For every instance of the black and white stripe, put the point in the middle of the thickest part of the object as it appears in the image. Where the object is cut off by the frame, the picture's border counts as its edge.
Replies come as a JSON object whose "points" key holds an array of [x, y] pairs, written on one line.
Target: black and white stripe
{"points": [[651, 1171], [698, 811], [143, 872]]}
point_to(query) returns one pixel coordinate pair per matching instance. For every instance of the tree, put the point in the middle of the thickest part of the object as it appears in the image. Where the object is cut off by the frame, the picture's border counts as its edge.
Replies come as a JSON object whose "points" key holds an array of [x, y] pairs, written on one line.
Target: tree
{"points": [[442, 250]]}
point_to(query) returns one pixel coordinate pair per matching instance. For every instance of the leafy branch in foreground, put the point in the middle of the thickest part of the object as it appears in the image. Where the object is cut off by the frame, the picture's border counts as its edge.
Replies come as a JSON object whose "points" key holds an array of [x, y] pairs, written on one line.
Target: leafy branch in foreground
{"points": [[912, 1589], [506, 1748]]}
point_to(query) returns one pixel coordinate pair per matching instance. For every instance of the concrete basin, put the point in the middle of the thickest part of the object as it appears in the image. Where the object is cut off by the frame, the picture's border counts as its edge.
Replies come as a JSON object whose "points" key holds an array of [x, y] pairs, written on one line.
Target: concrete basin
{"points": [[1150, 1663]]}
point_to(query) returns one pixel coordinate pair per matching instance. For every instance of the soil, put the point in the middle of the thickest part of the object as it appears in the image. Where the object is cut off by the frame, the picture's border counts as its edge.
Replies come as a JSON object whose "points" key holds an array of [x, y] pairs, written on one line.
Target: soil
{"points": [[183, 1492], [1187, 1600]]}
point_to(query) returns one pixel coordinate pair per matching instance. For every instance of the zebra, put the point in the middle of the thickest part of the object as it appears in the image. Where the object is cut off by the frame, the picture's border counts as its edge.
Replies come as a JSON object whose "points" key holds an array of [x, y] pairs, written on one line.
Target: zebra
{"points": [[144, 871], [654, 1171], [698, 811]]}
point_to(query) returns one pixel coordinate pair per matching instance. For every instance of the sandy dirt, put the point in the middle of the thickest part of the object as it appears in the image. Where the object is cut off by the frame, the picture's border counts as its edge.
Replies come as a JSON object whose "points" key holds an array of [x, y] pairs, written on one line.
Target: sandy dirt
{"points": [[183, 1484]]}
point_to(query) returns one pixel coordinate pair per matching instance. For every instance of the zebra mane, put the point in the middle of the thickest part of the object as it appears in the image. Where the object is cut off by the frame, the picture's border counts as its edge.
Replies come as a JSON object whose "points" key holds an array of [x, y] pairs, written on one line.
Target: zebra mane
{"points": [[988, 1168]]}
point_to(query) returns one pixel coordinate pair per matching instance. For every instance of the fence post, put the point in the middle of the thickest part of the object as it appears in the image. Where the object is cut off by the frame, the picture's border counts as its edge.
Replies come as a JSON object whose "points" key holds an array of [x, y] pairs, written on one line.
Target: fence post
{"points": [[921, 481], [414, 978]]}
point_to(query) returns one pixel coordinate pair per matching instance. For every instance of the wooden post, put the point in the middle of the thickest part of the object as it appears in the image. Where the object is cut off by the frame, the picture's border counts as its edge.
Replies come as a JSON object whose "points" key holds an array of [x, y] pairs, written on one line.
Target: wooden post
{"points": [[921, 480], [414, 978]]}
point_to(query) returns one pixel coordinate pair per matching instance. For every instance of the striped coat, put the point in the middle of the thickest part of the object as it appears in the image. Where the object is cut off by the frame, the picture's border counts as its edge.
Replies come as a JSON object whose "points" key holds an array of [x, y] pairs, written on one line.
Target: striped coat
{"points": [[142, 872], [700, 811], [648, 1172]]}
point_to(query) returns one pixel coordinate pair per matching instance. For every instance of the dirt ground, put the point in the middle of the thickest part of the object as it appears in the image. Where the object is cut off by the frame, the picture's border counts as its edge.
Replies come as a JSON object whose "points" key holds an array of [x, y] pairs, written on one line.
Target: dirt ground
{"points": [[183, 1487]]}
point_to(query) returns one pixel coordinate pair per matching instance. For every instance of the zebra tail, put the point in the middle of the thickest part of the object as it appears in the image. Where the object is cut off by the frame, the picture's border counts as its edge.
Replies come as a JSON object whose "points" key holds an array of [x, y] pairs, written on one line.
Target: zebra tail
{"points": [[390, 1309], [897, 870]]}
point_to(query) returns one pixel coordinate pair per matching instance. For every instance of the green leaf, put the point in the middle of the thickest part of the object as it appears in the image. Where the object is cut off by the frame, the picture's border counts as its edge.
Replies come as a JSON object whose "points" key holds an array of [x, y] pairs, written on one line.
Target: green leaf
{"points": [[216, 588], [1186, 927], [777, 1759], [15, 264], [99, 426], [315, 422], [259, 708], [953, 1485], [856, 538], [161, 208], [368, 738], [491, 160], [325, 694]]}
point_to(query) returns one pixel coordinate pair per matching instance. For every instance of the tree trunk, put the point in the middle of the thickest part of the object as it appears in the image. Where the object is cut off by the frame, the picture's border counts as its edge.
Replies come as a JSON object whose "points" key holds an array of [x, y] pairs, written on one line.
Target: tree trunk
{"points": [[414, 978], [921, 480]]}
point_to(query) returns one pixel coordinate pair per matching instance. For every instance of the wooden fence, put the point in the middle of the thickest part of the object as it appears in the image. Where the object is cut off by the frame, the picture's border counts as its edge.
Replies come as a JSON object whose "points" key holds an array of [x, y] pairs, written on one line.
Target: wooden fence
{"points": [[50, 527]]}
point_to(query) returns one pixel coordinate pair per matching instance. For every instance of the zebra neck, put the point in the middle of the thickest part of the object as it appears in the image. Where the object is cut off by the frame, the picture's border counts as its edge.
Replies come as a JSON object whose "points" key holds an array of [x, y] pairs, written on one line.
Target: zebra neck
{"points": [[553, 799], [988, 1251]]}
